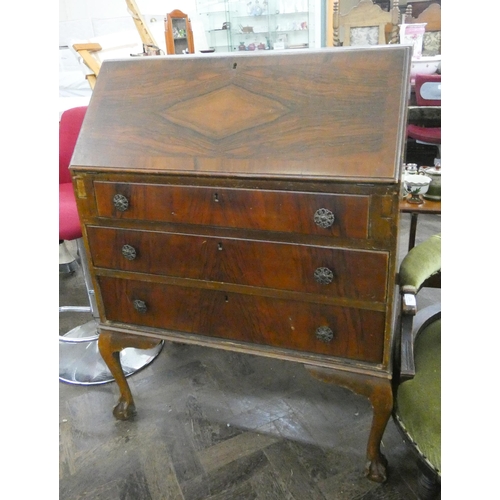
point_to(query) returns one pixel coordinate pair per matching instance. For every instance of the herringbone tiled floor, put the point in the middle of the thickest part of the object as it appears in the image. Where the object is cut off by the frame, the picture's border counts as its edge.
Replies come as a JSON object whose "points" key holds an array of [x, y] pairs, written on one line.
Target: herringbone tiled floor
{"points": [[215, 425]]}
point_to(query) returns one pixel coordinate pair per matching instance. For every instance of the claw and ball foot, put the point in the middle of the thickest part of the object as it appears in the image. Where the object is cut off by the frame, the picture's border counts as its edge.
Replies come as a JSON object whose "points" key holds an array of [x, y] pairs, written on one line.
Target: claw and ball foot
{"points": [[379, 391], [110, 346]]}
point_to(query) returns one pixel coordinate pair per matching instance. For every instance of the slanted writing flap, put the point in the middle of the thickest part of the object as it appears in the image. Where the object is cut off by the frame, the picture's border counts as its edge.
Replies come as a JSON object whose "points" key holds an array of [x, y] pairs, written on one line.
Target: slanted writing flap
{"points": [[319, 114]]}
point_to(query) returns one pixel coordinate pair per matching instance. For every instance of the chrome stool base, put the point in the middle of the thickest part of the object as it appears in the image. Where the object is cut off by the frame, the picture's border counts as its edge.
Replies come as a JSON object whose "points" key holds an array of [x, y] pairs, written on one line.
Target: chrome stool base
{"points": [[80, 363], [68, 267], [67, 263]]}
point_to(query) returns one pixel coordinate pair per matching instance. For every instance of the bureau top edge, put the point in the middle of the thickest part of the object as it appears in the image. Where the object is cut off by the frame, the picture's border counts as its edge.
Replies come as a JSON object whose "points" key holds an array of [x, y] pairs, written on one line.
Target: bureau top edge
{"points": [[350, 179]]}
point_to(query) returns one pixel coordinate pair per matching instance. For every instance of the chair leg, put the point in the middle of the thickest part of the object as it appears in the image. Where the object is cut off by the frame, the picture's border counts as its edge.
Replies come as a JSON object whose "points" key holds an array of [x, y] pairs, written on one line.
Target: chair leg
{"points": [[428, 483], [80, 361]]}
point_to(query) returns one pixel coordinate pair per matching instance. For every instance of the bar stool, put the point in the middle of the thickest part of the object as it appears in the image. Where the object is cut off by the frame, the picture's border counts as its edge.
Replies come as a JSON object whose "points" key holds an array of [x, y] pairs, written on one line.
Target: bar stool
{"points": [[427, 93], [79, 359]]}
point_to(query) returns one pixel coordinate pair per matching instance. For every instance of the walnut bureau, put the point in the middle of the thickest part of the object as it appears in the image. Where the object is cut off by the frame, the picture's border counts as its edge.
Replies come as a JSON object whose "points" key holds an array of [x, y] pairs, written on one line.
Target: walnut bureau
{"points": [[250, 202]]}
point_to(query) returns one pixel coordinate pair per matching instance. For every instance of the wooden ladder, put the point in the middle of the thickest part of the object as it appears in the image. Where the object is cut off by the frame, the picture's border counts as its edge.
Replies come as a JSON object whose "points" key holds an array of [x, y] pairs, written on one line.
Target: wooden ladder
{"points": [[85, 50]]}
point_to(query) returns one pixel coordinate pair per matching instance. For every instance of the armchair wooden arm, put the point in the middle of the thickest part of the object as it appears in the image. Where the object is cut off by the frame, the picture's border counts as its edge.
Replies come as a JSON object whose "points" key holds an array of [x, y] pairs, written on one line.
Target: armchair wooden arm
{"points": [[420, 268]]}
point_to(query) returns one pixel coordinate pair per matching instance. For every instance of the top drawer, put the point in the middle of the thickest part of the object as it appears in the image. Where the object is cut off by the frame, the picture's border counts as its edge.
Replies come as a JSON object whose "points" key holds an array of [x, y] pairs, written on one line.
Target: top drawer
{"points": [[287, 211]]}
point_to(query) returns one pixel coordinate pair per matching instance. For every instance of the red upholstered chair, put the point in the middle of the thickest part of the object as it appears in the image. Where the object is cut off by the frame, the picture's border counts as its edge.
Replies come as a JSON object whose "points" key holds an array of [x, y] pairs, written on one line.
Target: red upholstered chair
{"points": [[79, 359], [427, 93], [69, 129], [69, 224]]}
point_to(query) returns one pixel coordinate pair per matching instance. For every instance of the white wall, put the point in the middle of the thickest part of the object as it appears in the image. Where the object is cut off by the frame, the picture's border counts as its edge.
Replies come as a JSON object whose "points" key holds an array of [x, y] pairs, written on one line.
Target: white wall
{"points": [[70, 10], [84, 19], [112, 24]]}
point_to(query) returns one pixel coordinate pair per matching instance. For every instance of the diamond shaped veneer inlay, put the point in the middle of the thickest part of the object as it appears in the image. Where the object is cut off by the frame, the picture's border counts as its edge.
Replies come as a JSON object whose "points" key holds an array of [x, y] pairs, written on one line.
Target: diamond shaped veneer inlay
{"points": [[225, 111]]}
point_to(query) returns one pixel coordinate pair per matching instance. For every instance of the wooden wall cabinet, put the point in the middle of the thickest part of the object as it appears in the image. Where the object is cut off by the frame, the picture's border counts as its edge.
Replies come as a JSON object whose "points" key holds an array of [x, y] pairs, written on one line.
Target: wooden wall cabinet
{"points": [[178, 33], [250, 202]]}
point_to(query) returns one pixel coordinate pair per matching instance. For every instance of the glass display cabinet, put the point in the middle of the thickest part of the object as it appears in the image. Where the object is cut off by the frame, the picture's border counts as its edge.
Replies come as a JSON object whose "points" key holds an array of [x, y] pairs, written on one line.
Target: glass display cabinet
{"points": [[215, 17], [250, 25]]}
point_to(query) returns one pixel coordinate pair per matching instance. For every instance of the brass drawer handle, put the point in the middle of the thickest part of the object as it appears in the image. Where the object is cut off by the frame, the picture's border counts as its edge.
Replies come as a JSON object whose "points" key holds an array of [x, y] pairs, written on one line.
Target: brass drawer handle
{"points": [[140, 306], [324, 334], [324, 217], [120, 202], [323, 275], [129, 252]]}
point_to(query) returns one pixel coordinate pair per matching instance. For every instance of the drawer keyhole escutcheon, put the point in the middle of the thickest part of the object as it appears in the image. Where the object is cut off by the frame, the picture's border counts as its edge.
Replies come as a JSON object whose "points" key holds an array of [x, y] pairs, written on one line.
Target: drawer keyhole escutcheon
{"points": [[324, 217], [219, 246], [140, 306], [216, 197], [324, 334], [120, 202], [129, 252], [323, 275]]}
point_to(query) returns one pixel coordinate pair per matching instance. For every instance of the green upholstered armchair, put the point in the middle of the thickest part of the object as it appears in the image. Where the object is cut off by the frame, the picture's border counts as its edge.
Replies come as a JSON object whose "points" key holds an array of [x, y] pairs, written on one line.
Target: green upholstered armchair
{"points": [[417, 381]]}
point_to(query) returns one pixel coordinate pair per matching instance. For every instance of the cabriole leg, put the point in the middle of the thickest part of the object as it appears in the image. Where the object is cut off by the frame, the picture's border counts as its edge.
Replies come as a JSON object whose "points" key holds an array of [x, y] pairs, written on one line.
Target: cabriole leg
{"points": [[110, 346], [379, 392]]}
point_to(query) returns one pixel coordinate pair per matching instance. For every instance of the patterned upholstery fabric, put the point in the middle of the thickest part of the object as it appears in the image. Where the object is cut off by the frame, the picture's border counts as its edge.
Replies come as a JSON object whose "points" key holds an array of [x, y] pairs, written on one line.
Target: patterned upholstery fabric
{"points": [[432, 43], [364, 36]]}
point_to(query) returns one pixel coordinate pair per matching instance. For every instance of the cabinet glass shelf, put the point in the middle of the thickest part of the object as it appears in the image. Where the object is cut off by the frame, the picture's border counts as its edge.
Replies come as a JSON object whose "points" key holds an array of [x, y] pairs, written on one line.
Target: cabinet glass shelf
{"points": [[282, 24]]}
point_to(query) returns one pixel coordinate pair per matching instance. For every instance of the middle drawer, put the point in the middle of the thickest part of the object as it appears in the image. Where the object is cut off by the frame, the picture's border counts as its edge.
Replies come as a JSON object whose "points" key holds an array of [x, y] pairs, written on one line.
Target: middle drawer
{"points": [[337, 272]]}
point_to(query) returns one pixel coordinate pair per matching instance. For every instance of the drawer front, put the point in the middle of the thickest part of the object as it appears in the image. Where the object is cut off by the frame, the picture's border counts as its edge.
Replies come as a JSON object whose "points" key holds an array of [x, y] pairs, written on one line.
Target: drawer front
{"points": [[296, 212], [354, 274], [316, 328]]}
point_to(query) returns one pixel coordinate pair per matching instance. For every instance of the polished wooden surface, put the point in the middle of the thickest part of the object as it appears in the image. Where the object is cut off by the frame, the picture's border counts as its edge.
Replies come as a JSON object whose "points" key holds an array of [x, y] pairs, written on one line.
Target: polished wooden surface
{"points": [[356, 274], [330, 113], [268, 210], [248, 318], [213, 246], [254, 188], [427, 207]]}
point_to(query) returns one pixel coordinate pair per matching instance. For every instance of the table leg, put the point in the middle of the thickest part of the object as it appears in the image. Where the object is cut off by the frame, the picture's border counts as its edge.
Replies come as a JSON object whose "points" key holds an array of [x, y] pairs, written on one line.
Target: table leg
{"points": [[413, 230], [379, 392]]}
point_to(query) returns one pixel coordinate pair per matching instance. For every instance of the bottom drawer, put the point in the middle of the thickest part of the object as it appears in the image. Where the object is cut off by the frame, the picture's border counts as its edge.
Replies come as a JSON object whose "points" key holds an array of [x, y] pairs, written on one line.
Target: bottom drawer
{"points": [[317, 328]]}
